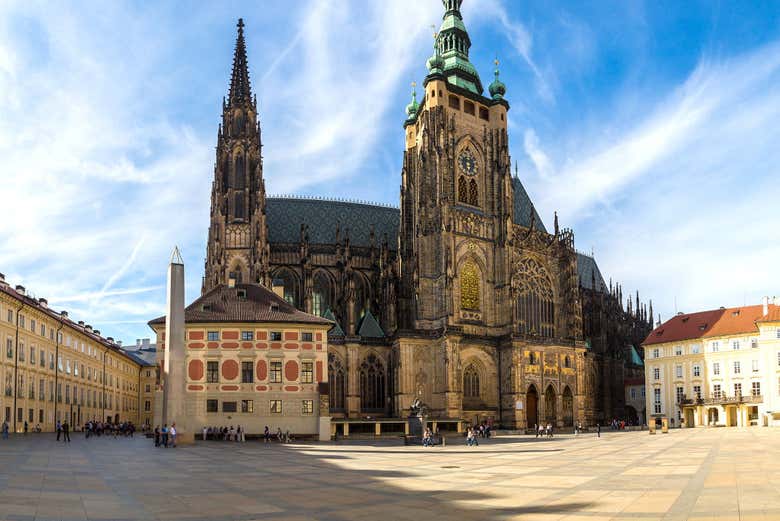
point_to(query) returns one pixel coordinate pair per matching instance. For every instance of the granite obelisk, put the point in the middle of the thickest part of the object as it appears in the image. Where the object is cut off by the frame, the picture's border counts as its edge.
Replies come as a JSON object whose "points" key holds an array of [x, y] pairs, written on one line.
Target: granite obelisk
{"points": [[174, 381]]}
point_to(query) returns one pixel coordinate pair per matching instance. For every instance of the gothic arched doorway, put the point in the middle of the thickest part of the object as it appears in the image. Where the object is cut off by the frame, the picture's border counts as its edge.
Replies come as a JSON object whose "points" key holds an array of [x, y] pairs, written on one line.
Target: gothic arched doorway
{"points": [[568, 408], [549, 405], [632, 416], [531, 407]]}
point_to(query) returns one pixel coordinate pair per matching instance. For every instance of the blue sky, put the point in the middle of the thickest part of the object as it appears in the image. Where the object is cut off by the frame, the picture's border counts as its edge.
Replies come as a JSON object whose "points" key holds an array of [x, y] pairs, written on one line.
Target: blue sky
{"points": [[651, 127]]}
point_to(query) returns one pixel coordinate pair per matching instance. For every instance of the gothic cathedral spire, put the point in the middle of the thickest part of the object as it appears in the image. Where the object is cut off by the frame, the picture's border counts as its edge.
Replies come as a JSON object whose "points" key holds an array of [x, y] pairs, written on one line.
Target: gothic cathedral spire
{"points": [[237, 244]]}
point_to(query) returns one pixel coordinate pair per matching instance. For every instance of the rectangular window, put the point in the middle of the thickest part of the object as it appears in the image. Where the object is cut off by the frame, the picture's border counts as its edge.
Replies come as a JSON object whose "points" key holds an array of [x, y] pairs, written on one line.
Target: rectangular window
{"points": [[696, 370], [715, 347], [31, 415], [43, 358], [43, 330], [307, 406], [468, 107], [778, 332], [737, 389], [695, 349], [212, 372], [735, 345], [32, 325], [21, 352], [247, 335], [67, 394], [657, 401], [67, 366], [656, 352], [276, 372], [40, 415], [678, 351], [247, 406], [656, 373], [737, 368], [247, 373], [306, 337], [229, 407], [148, 388], [716, 392], [213, 336], [716, 368], [756, 389], [678, 371], [147, 406], [51, 361], [633, 394], [212, 405], [11, 316], [307, 372], [755, 366], [9, 349], [33, 359], [276, 336], [754, 343], [41, 389], [484, 114], [697, 392], [21, 321], [276, 407], [680, 394]]}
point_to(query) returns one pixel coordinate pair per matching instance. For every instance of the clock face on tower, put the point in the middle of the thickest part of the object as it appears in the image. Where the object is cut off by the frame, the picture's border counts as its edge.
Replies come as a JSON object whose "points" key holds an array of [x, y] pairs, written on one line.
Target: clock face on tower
{"points": [[467, 163]]}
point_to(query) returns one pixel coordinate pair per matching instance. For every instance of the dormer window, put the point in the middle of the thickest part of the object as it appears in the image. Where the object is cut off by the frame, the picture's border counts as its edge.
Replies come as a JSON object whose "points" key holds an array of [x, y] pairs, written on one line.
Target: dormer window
{"points": [[274, 308], [241, 294]]}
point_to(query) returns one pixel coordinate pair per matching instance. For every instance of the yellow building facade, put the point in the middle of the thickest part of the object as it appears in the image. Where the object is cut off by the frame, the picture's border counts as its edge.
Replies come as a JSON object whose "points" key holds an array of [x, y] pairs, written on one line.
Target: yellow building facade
{"points": [[716, 368], [52, 368]]}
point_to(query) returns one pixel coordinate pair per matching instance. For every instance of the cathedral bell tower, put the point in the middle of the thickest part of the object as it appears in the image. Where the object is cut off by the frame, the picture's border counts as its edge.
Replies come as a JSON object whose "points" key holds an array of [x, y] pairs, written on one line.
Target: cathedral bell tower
{"points": [[237, 244], [456, 193]]}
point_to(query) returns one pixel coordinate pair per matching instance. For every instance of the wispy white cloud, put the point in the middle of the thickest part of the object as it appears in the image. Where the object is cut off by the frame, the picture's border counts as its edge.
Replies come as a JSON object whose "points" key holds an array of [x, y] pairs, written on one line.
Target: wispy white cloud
{"points": [[678, 199], [539, 158]]}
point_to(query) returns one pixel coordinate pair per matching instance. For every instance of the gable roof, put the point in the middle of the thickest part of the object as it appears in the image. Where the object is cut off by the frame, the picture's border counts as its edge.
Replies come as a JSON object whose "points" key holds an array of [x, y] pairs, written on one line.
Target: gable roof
{"points": [[244, 303], [336, 329], [709, 324]]}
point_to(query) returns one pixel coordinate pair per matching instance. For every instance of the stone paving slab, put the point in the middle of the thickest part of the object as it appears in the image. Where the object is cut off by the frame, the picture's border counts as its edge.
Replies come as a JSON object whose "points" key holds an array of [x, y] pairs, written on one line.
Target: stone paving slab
{"points": [[696, 474]]}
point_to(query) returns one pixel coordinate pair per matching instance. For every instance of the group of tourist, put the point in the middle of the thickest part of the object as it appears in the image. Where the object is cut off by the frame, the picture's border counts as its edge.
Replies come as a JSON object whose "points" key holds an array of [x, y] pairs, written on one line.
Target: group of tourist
{"points": [[96, 428], [544, 430], [428, 438], [224, 433], [165, 437]]}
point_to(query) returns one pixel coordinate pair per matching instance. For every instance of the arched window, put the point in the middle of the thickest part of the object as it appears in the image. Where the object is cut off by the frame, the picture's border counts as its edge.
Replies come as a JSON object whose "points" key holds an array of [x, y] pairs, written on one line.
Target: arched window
{"points": [[535, 300], [238, 208], [469, 286], [338, 380], [362, 296], [289, 281], [470, 382], [473, 193], [321, 300], [372, 384], [240, 179], [531, 358], [463, 190], [567, 361]]}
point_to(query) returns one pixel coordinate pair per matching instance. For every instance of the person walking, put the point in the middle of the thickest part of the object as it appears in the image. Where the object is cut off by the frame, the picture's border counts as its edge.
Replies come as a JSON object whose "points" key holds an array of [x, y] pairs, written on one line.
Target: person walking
{"points": [[165, 436], [598, 430], [5, 429], [26, 428], [173, 434], [59, 429], [205, 433], [66, 432], [549, 430], [267, 435], [157, 436]]}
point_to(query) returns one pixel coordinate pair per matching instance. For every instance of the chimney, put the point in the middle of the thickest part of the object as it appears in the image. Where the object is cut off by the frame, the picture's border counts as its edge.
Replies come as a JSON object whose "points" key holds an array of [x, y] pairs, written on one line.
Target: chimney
{"points": [[145, 342], [137, 342], [20, 289], [278, 286], [3, 283], [766, 306], [231, 282], [43, 302]]}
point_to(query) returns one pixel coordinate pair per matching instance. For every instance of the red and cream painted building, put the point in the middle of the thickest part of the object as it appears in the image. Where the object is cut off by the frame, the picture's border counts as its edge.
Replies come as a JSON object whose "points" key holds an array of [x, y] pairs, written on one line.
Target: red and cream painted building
{"points": [[252, 360]]}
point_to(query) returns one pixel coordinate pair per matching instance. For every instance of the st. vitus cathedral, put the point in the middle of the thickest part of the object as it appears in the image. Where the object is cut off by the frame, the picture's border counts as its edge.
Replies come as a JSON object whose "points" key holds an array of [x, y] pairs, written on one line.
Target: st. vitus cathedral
{"points": [[461, 298]]}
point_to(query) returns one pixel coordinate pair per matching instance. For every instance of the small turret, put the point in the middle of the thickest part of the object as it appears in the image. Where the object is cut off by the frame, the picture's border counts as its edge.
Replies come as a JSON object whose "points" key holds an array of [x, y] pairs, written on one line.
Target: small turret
{"points": [[497, 88]]}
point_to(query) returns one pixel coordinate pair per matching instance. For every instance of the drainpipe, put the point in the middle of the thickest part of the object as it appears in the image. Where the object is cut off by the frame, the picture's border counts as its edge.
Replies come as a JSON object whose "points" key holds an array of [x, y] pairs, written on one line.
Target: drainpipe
{"points": [[16, 362]]}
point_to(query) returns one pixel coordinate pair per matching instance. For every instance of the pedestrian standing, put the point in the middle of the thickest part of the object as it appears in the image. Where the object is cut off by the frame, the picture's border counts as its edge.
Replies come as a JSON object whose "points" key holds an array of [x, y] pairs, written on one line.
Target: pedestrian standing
{"points": [[5, 429], [598, 430], [267, 434], [59, 429], [205, 432], [173, 435], [157, 436], [26, 428], [165, 435], [66, 432]]}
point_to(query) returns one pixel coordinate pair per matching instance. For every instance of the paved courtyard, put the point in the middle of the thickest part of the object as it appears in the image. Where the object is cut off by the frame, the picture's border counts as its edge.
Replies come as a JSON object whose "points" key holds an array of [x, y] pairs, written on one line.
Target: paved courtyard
{"points": [[724, 474]]}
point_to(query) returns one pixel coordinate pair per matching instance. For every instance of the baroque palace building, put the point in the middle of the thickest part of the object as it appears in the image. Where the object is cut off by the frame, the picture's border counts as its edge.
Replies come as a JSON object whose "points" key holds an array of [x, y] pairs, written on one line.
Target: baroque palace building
{"points": [[55, 369], [718, 367], [461, 297]]}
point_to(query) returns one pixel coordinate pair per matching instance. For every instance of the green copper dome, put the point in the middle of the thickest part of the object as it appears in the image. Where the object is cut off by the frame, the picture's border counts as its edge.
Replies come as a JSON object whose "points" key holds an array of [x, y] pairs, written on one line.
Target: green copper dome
{"points": [[497, 88], [411, 108]]}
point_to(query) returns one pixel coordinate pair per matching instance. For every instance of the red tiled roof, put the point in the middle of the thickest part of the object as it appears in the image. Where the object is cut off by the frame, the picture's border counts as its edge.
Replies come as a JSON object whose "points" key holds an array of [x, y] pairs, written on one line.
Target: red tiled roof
{"points": [[244, 303], [772, 316], [713, 323]]}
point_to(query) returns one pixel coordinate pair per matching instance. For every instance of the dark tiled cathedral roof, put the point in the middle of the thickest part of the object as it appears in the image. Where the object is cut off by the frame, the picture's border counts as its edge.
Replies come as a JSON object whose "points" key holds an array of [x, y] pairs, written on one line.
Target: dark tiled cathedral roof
{"points": [[586, 269], [523, 207], [285, 215]]}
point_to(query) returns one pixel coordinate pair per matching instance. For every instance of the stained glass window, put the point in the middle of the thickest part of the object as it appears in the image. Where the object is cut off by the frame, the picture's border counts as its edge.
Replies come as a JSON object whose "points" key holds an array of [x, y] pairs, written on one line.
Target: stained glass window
{"points": [[469, 286], [473, 193]]}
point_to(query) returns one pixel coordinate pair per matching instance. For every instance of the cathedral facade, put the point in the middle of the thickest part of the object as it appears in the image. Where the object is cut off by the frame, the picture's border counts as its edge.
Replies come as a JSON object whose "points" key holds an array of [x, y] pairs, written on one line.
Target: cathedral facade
{"points": [[460, 297]]}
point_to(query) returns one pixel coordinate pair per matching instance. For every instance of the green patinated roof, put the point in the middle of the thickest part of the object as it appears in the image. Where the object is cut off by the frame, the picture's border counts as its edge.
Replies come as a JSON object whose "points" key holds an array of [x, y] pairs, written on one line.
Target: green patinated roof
{"points": [[369, 327], [336, 330], [453, 43], [635, 358]]}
